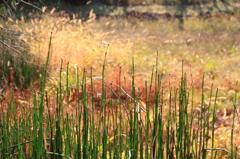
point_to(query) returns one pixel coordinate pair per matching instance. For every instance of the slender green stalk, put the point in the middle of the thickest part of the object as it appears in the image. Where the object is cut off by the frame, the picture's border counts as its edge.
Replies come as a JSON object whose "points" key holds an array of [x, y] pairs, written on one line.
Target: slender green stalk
{"points": [[103, 104], [85, 118], [92, 134], [207, 124], [213, 121], [147, 122], [233, 149]]}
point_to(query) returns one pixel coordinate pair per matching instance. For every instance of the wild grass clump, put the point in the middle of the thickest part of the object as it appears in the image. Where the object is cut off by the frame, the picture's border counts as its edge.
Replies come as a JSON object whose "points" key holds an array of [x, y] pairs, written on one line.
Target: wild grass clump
{"points": [[18, 66], [156, 122]]}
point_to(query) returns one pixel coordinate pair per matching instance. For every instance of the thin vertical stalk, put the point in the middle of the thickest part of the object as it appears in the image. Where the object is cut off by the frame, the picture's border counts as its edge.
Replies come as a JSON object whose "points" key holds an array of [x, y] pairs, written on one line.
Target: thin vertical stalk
{"points": [[85, 118], [103, 105], [213, 121], [233, 148]]}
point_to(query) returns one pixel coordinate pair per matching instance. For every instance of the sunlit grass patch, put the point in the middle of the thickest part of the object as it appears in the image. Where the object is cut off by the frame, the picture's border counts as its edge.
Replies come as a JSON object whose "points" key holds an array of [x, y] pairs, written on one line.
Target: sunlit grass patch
{"points": [[159, 92], [202, 42]]}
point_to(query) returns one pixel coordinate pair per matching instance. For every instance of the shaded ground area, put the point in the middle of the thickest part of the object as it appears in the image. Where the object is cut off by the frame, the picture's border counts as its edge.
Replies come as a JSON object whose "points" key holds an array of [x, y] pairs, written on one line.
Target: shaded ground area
{"points": [[152, 11]]}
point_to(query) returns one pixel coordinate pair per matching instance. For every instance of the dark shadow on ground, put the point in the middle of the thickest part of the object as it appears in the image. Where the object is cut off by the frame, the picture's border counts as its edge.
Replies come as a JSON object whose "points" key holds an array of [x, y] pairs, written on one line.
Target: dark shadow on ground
{"points": [[102, 9]]}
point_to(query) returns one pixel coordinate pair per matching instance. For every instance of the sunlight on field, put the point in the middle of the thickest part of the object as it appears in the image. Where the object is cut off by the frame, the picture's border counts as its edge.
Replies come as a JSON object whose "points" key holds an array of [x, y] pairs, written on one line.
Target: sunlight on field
{"points": [[201, 47], [210, 46]]}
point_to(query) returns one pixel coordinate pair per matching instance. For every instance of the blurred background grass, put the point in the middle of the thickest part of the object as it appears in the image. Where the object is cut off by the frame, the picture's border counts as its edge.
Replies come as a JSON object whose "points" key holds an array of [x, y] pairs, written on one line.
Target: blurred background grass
{"points": [[81, 34], [209, 45]]}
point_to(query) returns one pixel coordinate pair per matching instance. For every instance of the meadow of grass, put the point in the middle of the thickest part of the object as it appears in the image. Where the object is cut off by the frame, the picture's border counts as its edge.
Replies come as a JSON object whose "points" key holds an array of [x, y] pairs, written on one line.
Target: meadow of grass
{"points": [[206, 45], [126, 88]]}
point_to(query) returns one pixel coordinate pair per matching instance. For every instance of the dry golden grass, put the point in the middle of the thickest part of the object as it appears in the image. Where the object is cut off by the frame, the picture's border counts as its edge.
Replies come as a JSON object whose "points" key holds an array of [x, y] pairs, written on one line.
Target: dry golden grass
{"points": [[209, 46]]}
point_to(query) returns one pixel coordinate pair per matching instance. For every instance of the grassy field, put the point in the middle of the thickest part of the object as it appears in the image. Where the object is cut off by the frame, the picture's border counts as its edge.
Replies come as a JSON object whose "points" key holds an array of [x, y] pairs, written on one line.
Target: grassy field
{"points": [[125, 88]]}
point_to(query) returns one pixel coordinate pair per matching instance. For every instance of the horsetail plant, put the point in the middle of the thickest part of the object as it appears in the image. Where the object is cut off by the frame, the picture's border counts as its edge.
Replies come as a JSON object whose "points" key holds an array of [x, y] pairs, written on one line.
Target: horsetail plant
{"points": [[75, 123]]}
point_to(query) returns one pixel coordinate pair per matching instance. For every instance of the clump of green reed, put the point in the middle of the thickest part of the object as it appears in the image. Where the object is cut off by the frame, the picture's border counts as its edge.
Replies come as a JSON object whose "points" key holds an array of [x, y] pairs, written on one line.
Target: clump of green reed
{"points": [[52, 126], [16, 60]]}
